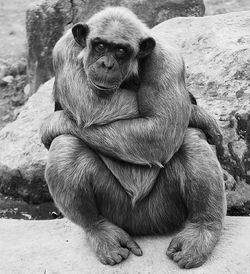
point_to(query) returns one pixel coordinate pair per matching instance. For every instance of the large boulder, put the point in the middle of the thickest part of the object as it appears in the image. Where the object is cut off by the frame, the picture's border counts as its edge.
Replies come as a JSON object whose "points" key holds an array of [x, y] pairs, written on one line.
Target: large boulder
{"points": [[47, 20], [216, 50], [45, 24], [22, 156], [217, 54], [60, 247]]}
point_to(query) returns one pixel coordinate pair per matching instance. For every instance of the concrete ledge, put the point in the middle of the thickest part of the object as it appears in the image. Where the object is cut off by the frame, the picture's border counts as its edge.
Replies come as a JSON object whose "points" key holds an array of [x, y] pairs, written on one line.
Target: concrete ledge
{"points": [[59, 246]]}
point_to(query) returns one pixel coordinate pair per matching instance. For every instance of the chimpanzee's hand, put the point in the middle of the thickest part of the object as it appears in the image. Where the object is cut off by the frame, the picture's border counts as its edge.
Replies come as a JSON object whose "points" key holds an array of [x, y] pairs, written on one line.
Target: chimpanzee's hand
{"points": [[53, 126], [112, 244]]}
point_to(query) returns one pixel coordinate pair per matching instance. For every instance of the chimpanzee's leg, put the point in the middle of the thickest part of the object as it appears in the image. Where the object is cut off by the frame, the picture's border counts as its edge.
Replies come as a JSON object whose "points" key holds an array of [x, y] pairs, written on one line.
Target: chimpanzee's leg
{"points": [[72, 172], [203, 192]]}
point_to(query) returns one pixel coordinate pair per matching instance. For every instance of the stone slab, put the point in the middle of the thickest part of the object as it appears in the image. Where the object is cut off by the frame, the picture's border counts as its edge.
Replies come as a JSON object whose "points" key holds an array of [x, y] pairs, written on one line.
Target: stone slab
{"points": [[59, 246]]}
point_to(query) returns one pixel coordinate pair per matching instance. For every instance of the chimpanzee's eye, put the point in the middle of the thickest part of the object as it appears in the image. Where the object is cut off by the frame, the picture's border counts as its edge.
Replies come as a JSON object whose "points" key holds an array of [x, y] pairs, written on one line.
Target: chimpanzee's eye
{"points": [[100, 47], [121, 52]]}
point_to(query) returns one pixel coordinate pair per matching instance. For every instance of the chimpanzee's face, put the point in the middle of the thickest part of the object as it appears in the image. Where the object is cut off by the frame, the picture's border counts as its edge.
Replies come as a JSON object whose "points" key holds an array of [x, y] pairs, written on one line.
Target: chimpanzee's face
{"points": [[108, 63], [109, 59]]}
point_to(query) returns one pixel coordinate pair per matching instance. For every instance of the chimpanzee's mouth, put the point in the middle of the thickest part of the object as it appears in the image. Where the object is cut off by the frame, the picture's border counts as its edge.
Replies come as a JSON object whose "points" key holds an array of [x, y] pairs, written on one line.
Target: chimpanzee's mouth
{"points": [[104, 88]]}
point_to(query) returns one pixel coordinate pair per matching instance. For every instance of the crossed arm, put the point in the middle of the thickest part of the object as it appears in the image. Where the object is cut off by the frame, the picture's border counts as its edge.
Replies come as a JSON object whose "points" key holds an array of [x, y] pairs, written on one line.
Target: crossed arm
{"points": [[124, 139], [139, 140], [121, 139]]}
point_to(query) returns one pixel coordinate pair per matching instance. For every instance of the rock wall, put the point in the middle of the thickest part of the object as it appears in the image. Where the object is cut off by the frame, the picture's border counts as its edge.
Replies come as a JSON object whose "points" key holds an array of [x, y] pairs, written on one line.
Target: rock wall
{"points": [[46, 22]]}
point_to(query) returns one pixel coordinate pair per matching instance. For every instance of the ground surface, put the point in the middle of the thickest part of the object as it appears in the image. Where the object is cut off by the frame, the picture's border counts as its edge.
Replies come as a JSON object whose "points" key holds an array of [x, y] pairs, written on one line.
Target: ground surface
{"points": [[60, 247], [12, 30], [225, 6], [13, 49]]}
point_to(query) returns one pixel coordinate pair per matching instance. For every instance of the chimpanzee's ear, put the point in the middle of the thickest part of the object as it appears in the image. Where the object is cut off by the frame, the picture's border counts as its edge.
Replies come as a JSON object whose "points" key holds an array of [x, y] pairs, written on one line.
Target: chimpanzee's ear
{"points": [[146, 46], [80, 32]]}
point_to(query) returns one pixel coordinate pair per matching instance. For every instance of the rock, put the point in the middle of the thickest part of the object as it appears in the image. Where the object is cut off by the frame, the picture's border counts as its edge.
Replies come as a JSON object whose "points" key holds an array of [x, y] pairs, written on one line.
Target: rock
{"points": [[216, 50], [238, 201], [46, 22], [18, 68], [230, 183], [18, 100], [8, 79], [26, 90], [6, 117], [23, 157], [151, 12], [13, 69], [3, 68], [16, 112], [58, 246]]}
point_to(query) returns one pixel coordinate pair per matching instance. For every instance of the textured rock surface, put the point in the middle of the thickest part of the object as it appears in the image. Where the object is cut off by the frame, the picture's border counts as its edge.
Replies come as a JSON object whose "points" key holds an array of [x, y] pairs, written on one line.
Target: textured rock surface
{"points": [[225, 6], [217, 54], [46, 21], [22, 156], [60, 247], [216, 50]]}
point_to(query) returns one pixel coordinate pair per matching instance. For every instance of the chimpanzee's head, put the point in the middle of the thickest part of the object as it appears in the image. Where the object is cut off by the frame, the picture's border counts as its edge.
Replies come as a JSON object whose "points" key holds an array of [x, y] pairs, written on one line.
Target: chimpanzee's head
{"points": [[112, 42]]}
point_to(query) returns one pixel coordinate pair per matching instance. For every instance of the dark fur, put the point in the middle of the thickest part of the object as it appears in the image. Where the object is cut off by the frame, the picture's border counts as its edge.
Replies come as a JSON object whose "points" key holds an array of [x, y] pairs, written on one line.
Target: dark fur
{"points": [[133, 165]]}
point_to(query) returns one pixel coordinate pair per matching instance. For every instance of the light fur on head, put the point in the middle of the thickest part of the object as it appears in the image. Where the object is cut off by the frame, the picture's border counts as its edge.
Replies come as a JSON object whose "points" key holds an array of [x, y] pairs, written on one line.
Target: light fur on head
{"points": [[121, 25]]}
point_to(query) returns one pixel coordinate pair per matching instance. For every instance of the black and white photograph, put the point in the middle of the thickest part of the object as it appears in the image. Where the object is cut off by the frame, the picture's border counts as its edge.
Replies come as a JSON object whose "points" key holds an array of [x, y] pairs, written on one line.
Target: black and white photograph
{"points": [[125, 137]]}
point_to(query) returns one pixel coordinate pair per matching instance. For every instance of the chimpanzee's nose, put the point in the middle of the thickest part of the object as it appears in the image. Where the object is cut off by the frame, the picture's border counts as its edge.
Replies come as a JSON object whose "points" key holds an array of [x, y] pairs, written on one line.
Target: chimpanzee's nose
{"points": [[107, 64]]}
